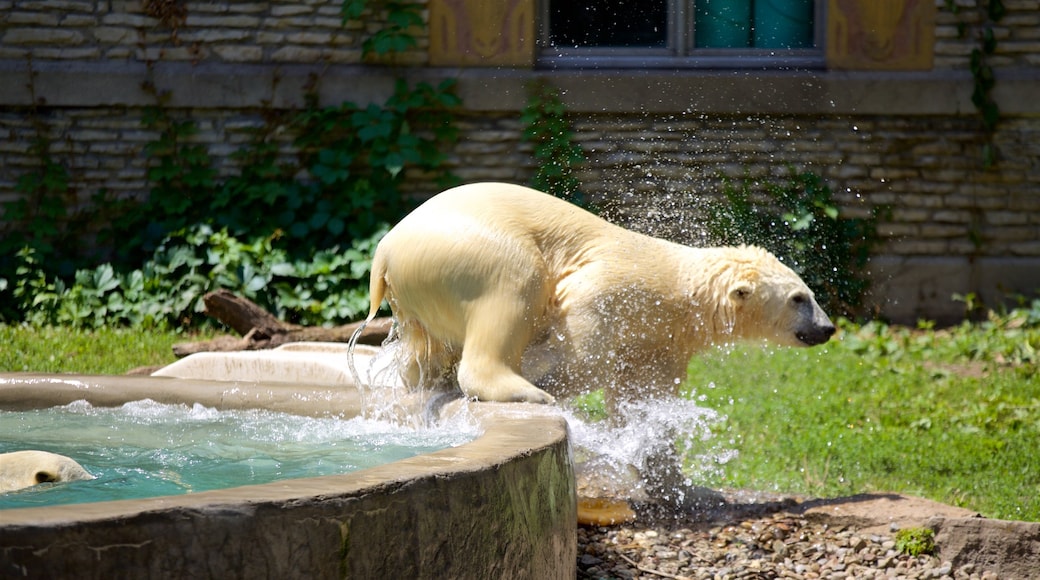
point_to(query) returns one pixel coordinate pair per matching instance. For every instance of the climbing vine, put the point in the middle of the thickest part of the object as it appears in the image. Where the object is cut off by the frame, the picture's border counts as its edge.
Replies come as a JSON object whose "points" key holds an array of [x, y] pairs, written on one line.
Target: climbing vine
{"points": [[397, 34], [36, 216], [170, 13], [547, 128], [990, 13]]}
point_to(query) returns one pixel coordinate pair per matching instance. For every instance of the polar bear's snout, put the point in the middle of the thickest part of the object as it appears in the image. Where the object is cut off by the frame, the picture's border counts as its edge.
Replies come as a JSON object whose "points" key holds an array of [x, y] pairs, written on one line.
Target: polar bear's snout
{"points": [[818, 328]]}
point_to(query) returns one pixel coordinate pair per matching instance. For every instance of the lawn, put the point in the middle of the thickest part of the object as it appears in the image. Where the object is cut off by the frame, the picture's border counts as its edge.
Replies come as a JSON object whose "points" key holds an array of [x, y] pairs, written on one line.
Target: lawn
{"points": [[951, 415], [74, 350]]}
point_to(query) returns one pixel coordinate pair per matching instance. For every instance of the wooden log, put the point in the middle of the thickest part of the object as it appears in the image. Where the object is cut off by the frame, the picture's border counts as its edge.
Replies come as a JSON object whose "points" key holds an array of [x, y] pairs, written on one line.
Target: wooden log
{"points": [[243, 315]]}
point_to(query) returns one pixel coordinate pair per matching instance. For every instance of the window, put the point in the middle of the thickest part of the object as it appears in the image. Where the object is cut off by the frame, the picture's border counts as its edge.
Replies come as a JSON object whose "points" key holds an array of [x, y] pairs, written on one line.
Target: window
{"points": [[681, 33]]}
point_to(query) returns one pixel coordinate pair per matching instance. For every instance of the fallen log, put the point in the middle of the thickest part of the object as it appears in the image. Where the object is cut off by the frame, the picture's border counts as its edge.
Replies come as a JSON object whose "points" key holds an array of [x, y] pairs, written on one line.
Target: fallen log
{"points": [[259, 329]]}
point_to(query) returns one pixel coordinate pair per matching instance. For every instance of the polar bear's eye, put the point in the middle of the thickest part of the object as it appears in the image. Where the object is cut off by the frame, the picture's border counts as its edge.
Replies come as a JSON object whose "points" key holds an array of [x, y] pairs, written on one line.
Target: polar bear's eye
{"points": [[799, 299], [741, 293]]}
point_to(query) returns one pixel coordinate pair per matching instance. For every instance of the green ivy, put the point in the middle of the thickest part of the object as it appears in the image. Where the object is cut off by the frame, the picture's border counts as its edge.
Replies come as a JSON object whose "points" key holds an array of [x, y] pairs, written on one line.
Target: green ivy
{"points": [[800, 223], [547, 128], [357, 157], [397, 33]]}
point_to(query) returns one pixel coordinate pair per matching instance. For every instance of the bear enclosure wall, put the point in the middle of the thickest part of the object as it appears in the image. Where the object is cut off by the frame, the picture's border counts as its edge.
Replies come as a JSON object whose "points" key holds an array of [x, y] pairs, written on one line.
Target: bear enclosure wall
{"points": [[658, 139]]}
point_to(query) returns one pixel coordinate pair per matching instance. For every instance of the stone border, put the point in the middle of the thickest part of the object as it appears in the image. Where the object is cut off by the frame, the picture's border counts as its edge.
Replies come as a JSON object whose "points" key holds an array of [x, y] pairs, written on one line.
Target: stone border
{"points": [[503, 505]]}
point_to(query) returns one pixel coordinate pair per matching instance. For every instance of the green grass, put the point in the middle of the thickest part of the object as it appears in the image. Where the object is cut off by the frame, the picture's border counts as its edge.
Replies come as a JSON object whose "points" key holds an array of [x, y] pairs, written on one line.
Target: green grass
{"points": [[71, 350], [950, 415]]}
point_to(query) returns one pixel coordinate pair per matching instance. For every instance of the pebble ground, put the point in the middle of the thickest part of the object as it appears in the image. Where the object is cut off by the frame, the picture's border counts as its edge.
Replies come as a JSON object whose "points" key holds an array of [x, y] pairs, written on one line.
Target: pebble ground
{"points": [[767, 541]]}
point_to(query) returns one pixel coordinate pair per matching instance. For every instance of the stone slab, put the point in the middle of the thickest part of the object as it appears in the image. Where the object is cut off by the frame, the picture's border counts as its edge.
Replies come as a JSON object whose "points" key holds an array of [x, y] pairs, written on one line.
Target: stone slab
{"points": [[304, 363]]}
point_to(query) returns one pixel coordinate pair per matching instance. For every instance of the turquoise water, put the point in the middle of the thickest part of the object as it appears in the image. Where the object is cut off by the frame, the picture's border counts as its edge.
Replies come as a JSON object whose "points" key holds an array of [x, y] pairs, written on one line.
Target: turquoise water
{"points": [[146, 449]]}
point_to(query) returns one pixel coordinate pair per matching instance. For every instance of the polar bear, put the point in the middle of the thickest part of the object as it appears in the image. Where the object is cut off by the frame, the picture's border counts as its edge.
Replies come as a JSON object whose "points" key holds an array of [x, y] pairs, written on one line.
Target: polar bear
{"points": [[21, 469], [520, 296]]}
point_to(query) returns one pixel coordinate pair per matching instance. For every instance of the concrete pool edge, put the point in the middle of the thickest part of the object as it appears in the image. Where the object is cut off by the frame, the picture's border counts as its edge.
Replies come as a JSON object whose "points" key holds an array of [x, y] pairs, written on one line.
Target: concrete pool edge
{"points": [[503, 505]]}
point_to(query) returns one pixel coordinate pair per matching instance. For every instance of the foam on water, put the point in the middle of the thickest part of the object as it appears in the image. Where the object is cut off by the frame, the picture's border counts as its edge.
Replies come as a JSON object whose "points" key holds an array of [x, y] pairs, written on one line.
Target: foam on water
{"points": [[146, 449]]}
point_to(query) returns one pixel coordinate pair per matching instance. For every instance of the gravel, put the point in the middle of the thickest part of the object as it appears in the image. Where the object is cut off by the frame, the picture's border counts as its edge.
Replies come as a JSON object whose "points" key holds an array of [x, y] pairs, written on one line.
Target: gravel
{"points": [[760, 540]]}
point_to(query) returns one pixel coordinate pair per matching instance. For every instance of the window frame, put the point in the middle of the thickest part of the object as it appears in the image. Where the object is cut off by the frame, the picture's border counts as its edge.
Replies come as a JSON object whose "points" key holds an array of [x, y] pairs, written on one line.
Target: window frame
{"points": [[681, 52]]}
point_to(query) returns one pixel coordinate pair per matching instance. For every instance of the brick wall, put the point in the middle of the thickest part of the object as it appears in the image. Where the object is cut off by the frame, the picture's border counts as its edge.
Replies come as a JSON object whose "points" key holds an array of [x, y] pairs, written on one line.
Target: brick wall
{"points": [[908, 140]]}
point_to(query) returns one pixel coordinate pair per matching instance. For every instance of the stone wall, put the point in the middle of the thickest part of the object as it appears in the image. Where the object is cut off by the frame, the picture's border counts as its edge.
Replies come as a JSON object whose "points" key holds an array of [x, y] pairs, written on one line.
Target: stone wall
{"points": [[295, 31], [656, 140]]}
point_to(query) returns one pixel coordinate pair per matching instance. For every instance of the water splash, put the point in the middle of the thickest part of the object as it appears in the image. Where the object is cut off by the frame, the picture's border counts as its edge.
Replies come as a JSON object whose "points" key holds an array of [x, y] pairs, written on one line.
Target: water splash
{"points": [[625, 451], [384, 395]]}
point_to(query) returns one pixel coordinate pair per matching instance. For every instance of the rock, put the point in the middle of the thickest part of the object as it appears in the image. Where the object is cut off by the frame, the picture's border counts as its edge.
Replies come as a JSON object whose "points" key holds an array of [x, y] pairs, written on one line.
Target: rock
{"points": [[1008, 549]]}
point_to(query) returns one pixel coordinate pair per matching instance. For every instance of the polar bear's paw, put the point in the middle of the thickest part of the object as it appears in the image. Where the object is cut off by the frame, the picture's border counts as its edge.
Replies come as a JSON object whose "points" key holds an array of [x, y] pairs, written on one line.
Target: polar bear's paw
{"points": [[502, 387], [527, 394], [532, 395]]}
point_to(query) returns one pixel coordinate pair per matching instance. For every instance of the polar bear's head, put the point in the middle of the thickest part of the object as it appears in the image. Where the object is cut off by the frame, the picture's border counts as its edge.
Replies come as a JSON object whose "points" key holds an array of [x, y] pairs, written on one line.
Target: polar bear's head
{"points": [[766, 300], [21, 469]]}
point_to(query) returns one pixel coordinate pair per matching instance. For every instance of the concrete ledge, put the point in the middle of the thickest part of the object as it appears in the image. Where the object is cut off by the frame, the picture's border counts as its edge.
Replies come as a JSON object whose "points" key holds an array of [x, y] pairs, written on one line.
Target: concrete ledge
{"points": [[502, 506], [910, 288], [210, 85]]}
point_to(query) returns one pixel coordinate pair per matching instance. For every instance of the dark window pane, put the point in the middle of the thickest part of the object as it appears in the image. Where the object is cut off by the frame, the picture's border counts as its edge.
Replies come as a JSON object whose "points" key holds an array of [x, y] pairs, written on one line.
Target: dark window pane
{"points": [[722, 24], [609, 23], [753, 23], [783, 23]]}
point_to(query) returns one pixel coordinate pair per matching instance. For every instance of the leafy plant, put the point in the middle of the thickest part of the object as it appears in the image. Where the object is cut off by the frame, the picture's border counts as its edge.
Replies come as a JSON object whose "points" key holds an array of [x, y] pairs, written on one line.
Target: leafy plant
{"points": [[799, 221], [170, 13], [39, 214], [915, 541], [547, 128], [167, 291]]}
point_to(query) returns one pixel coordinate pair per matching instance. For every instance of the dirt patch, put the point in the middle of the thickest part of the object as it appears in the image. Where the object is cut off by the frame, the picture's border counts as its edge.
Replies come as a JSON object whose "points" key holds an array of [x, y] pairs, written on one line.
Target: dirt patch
{"points": [[875, 513]]}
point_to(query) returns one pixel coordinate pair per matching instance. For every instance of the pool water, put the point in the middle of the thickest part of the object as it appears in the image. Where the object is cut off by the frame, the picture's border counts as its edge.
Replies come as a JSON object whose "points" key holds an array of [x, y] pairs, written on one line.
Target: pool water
{"points": [[146, 449]]}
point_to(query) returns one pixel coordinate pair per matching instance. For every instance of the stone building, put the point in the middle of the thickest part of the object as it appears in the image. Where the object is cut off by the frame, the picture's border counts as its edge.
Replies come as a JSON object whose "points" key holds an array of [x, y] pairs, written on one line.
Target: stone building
{"points": [[665, 96]]}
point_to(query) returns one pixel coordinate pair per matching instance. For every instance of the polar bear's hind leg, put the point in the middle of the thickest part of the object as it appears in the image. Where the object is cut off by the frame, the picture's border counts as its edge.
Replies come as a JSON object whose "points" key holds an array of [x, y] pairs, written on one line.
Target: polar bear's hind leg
{"points": [[497, 332]]}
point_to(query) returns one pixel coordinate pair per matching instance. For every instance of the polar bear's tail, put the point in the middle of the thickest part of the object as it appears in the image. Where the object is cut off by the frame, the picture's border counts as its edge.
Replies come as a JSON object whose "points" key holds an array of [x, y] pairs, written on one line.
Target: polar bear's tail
{"points": [[377, 290], [377, 285]]}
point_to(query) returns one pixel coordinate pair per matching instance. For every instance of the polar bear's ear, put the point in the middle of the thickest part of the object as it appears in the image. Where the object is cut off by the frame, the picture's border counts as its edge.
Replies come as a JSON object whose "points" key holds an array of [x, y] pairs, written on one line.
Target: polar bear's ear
{"points": [[741, 292]]}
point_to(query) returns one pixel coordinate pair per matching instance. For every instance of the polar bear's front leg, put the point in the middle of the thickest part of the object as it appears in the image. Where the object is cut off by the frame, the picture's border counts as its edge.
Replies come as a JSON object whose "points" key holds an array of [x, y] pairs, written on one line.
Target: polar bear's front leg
{"points": [[497, 332]]}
